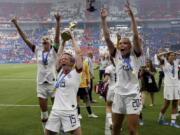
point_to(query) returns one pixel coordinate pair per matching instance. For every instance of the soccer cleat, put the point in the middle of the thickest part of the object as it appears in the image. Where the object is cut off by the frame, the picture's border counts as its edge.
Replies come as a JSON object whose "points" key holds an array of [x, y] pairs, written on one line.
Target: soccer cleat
{"points": [[174, 125], [163, 123], [93, 101], [141, 122], [92, 115], [80, 116]]}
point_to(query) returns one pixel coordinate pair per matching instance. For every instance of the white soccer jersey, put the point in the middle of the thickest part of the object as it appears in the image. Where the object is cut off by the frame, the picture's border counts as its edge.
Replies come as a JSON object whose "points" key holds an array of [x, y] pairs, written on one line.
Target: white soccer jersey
{"points": [[45, 73], [127, 74], [66, 93], [111, 71], [171, 73]]}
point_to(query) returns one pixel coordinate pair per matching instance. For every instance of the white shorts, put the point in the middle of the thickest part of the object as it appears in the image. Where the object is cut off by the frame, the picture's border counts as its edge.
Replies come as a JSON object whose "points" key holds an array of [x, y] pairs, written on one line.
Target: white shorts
{"points": [[172, 92], [110, 95], [67, 119], [127, 104], [45, 90]]}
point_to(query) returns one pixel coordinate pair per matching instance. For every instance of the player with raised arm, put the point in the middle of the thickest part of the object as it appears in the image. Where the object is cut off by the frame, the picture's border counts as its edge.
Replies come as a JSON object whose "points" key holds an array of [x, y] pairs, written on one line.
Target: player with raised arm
{"points": [[127, 60], [64, 110], [45, 55], [171, 86]]}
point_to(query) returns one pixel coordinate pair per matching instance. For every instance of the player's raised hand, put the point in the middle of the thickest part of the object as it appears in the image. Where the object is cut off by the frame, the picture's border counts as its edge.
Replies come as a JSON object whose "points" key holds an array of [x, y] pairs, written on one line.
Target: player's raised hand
{"points": [[118, 36], [57, 16], [14, 20], [104, 13], [128, 8]]}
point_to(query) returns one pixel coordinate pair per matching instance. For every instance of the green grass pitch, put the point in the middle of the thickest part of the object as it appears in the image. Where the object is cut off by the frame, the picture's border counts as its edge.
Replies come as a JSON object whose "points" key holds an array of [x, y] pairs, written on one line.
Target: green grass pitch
{"points": [[18, 87]]}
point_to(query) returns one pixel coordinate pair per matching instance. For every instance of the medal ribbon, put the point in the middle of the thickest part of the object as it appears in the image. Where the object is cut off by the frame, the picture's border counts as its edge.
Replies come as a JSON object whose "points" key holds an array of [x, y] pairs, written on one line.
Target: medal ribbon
{"points": [[45, 57], [127, 62], [60, 79]]}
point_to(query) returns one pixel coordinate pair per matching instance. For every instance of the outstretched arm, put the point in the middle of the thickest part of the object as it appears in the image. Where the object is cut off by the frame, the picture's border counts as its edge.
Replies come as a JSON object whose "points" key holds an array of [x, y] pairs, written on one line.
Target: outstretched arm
{"points": [[23, 35], [159, 56], [78, 55], [60, 52], [136, 39], [118, 38], [57, 31], [106, 34]]}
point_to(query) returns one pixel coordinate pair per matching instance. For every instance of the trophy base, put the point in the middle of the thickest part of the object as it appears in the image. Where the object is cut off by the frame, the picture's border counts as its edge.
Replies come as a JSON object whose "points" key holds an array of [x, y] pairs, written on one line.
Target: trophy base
{"points": [[66, 36]]}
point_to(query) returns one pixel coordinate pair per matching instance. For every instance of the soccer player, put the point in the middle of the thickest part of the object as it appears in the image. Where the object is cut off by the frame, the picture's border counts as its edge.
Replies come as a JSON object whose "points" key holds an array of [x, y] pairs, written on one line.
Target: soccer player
{"points": [[127, 60], [64, 110], [83, 91], [161, 73], [171, 87], [45, 55], [110, 78], [90, 63]]}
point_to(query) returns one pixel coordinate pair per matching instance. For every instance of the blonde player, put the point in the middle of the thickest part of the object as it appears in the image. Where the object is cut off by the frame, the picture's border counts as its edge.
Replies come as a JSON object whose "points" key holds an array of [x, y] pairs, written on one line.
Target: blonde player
{"points": [[171, 87], [128, 61], [45, 55], [64, 110]]}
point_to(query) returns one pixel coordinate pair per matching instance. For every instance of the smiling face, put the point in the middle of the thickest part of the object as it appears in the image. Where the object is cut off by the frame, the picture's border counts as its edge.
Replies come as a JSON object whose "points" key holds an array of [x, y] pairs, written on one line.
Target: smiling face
{"points": [[124, 46], [66, 60]]}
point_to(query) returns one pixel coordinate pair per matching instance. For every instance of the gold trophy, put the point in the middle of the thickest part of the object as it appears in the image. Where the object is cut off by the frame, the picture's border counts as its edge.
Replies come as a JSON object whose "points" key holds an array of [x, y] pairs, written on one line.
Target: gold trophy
{"points": [[65, 35]]}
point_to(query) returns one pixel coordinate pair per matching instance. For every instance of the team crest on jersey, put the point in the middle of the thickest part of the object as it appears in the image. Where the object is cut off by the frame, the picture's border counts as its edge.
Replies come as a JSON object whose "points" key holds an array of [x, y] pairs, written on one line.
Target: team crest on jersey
{"points": [[62, 84]]}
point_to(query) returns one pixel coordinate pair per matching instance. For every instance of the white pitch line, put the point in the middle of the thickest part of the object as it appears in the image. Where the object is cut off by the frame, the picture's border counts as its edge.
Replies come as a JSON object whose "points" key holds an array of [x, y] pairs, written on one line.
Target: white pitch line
{"points": [[13, 105], [17, 79]]}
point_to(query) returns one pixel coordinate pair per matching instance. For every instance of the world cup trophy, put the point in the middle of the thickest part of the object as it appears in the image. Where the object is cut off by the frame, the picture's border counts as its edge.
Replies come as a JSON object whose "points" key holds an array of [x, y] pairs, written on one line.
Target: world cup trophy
{"points": [[65, 35]]}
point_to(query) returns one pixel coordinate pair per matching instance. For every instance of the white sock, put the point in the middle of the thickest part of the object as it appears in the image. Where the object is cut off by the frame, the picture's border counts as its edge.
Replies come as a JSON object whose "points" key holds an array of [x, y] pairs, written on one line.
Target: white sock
{"points": [[178, 108], [44, 116], [173, 118], [109, 116]]}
